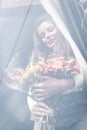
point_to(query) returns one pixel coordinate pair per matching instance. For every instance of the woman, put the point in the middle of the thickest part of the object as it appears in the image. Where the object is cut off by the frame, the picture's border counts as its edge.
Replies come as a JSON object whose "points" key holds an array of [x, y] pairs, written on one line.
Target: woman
{"points": [[49, 43]]}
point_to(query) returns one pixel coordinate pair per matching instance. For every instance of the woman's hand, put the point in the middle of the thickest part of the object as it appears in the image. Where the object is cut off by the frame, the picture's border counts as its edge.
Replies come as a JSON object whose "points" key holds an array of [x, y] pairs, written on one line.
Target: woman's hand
{"points": [[50, 87], [45, 89], [11, 78], [39, 110]]}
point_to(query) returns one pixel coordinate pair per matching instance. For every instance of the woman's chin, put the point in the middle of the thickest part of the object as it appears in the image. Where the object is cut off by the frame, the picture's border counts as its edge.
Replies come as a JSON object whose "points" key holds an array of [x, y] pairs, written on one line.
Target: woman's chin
{"points": [[50, 45]]}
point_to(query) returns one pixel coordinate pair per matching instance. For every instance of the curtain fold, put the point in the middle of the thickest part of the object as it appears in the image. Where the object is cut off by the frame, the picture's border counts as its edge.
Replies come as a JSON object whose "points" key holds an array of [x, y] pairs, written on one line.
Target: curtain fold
{"points": [[52, 11], [77, 26]]}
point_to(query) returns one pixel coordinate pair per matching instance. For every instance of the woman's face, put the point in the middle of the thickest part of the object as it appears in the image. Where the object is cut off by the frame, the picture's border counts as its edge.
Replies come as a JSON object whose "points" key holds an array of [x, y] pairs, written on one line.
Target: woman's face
{"points": [[48, 33]]}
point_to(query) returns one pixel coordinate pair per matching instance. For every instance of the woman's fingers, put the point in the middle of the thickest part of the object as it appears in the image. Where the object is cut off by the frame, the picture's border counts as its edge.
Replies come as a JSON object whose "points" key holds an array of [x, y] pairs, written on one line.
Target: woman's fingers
{"points": [[40, 77], [39, 110], [40, 94], [43, 105], [40, 98], [40, 107], [35, 118], [37, 85], [38, 90]]}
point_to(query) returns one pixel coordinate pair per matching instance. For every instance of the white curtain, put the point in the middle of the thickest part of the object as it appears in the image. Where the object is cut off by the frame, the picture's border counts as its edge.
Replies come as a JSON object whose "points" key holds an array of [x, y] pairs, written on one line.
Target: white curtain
{"points": [[49, 6]]}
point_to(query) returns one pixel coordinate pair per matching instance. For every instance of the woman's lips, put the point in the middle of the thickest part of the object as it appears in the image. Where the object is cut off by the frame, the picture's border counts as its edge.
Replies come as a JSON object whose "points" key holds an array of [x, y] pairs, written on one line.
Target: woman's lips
{"points": [[51, 41]]}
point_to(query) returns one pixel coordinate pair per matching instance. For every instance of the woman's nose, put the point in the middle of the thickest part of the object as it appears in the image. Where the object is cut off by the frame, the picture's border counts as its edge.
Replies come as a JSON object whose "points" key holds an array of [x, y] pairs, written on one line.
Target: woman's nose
{"points": [[47, 35]]}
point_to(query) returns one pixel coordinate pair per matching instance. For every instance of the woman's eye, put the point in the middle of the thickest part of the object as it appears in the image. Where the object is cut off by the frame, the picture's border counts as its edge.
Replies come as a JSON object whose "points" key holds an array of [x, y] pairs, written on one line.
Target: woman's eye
{"points": [[42, 35], [51, 28]]}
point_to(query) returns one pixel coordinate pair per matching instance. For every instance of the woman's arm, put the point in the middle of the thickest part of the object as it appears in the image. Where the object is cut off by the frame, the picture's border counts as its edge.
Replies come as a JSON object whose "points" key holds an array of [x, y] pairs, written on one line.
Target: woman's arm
{"points": [[11, 77], [50, 87], [79, 81]]}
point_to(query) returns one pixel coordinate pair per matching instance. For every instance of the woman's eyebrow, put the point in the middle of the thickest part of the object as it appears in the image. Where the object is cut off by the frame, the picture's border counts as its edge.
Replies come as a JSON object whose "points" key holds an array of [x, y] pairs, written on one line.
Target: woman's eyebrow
{"points": [[42, 34]]}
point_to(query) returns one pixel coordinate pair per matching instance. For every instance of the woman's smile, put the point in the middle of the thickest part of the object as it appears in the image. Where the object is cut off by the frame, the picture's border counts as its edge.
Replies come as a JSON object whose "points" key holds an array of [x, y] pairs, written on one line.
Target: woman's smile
{"points": [[50, 42], [48, 33]]}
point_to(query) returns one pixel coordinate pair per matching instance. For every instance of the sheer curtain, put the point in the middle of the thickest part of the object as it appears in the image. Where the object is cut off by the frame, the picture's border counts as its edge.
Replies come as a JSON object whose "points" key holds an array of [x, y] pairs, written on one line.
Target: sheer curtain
{"points": [[70, 26], [74, 12]]}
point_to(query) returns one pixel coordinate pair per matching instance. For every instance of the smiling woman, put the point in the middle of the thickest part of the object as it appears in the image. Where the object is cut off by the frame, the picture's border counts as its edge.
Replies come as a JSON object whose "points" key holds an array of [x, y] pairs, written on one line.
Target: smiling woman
{"points": [[51, 93], [48, 32], [48, 40]]}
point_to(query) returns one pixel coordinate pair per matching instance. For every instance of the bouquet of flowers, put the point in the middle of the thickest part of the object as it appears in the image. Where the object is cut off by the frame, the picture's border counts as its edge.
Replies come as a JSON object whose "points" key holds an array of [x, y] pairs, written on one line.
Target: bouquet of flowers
{"points": [[55, 67]]}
